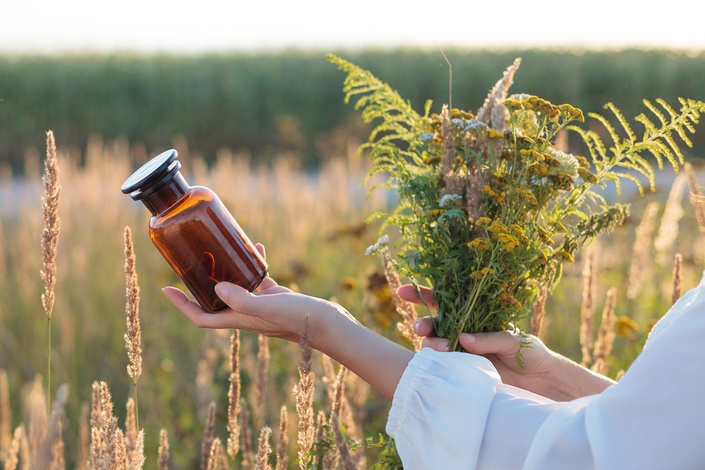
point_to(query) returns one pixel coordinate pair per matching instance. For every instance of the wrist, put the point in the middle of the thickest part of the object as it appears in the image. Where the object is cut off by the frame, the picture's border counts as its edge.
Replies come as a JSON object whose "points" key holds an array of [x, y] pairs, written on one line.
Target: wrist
{"points": [[569, 380]]}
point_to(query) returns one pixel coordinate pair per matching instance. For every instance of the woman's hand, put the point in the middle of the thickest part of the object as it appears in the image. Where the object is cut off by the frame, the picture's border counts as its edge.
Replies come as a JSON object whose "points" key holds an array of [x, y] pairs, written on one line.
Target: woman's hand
{"points": [[542, 371], [273, 310], [276, 311]]}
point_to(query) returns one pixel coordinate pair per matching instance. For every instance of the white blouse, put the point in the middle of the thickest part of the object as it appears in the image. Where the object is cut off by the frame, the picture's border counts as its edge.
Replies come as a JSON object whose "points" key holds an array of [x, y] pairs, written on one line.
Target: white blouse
{"points": [[451, 410]]}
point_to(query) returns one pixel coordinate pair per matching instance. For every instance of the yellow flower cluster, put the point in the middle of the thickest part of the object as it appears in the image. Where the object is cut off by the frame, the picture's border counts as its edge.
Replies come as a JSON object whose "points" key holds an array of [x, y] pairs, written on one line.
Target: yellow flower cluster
{"points": [[480, 273], [479, 244], [508, 299], [509, 241], [626, 326], [497, 196]]}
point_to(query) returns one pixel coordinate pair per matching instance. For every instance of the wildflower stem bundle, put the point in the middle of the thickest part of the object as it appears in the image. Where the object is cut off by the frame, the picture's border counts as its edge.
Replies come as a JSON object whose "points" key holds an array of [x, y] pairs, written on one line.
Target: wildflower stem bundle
{"points": [[489, 208]]}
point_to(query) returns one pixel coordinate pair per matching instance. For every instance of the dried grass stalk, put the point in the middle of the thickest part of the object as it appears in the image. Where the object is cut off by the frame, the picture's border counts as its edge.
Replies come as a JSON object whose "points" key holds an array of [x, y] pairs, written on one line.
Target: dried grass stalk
{"points": [[136, 457], [233, 443], [641, 250], [208, 436], [672, 213], [587, 323], [213, 455], [492, 109], [283, 444], [56, 441], [338, 391], [119, 460], [303, 392], [205, 373], [448, 157], [696, 198], [163, 452], [342, 444], [57, 452], [37, 426], [52, 226], [264, 449], [133, 337], [261, 375], [3, 259], [95, 456], [677, 281], [5, 415], [539, 312], [406, 309], [245, 437], [84, 436], [109, 427], [606, 334], [12, 459], [130, 426]]}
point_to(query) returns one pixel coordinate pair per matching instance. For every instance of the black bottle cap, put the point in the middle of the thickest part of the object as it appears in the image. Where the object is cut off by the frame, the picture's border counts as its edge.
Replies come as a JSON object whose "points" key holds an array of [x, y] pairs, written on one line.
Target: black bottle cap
{"points": [[152, 174]]}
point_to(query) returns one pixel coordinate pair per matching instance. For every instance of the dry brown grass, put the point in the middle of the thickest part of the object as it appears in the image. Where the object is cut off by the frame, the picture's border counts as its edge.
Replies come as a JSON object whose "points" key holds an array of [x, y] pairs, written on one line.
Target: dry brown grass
{"points": [[307, 221]]}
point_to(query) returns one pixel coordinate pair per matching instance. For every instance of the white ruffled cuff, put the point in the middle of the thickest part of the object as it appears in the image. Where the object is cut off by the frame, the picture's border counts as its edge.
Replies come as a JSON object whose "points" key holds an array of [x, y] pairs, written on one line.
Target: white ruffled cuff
{"points": [[434, 390]]}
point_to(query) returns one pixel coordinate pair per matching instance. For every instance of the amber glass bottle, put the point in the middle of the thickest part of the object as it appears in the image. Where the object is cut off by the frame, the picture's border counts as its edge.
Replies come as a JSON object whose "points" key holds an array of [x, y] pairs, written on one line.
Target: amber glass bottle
{"points": [[194, 231]]}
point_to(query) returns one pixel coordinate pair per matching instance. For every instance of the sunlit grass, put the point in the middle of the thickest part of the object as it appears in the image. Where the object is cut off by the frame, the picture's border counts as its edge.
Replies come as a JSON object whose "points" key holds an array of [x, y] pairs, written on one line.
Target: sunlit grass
{"points": [[312, 224]]}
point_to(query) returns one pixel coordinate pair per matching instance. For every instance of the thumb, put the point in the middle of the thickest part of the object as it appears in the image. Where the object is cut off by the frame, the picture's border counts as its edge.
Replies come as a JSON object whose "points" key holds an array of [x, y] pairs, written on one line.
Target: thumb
{"points": [[501, 343], [235, 296]]}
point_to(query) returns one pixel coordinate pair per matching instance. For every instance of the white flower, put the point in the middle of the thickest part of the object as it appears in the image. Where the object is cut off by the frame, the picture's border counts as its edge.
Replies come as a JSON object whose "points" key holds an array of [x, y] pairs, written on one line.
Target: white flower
{"points": [[381, 243], [426, 137], [474, 124], [569, 164]]}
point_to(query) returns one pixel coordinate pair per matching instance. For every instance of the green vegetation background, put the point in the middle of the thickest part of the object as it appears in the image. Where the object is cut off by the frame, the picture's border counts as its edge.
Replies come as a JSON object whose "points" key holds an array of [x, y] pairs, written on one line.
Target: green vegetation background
{"points": [[291, 101]]}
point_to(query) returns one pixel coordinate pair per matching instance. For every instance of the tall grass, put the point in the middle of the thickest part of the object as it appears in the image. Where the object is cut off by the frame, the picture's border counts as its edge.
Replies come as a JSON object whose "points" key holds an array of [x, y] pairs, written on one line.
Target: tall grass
{"points": [[313, 227]]}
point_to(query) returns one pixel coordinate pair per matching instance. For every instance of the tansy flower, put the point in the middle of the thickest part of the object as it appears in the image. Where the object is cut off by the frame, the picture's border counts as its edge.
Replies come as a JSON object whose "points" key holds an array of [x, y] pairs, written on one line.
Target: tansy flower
{"points": [[509, 241], [481, 273], [497, 227], [479, 244], [625, 326]]}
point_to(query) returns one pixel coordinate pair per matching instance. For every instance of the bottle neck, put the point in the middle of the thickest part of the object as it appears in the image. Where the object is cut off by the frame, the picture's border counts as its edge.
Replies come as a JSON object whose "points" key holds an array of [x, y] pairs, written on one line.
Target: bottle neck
{"points": [[166, 195]]}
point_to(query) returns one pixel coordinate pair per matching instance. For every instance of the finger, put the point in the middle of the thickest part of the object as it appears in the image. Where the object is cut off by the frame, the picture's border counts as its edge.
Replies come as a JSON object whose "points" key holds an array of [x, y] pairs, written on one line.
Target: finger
{"points": [[501, 343], [195, 313], [424, 295], [267, 283], [425, 327], [439, 344]]}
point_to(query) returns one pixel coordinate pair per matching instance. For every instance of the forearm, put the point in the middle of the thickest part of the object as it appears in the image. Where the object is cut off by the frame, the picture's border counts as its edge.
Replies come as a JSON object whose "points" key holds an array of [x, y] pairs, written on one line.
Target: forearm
{"points": [[570, 380], [374, 358]]}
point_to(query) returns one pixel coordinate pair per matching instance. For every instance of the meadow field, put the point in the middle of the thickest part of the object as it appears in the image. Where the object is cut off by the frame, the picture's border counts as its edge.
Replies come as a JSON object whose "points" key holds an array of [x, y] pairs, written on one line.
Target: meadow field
{"points": [[313, 224]]}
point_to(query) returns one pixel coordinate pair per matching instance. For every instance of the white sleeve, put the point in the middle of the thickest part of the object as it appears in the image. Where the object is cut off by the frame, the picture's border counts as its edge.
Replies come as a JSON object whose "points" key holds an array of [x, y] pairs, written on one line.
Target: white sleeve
{"points": [[451, 411]]}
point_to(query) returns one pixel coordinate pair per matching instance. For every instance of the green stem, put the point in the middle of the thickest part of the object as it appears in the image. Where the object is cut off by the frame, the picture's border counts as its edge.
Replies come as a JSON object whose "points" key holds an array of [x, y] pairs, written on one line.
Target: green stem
{"points": [[49, 367], [137, 414], [470, 305]]}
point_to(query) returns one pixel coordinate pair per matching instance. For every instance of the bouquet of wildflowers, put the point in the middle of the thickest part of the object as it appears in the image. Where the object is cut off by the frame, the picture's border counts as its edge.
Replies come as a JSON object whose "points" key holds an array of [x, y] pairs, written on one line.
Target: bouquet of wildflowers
{"points": [[490, 205]]}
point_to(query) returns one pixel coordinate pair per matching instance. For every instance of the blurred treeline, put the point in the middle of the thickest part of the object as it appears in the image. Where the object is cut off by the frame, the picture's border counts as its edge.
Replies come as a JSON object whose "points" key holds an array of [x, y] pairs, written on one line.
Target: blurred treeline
{"points": [[290, 102]]}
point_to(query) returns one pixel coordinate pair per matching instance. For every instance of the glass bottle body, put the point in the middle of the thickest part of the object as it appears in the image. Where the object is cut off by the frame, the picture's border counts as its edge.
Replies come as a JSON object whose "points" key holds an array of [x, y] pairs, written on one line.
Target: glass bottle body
{"points": [[204, 245]]}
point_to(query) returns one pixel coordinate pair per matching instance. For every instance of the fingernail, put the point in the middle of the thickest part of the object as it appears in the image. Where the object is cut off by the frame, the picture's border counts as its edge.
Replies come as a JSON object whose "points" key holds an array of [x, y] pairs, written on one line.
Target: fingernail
{"points": [[443, 345], [221, 289], [469, 338], [416, 326]]}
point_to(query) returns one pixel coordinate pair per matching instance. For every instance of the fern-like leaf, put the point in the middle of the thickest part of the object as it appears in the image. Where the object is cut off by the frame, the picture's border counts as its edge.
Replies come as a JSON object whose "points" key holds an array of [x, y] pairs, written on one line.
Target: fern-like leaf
{"points": [[630, 153]]}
